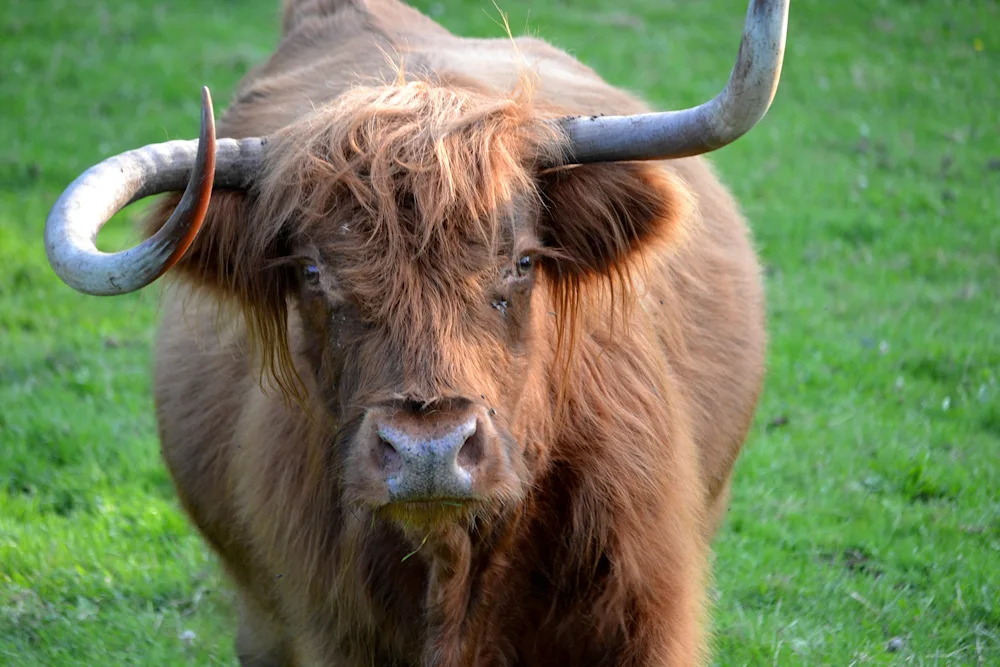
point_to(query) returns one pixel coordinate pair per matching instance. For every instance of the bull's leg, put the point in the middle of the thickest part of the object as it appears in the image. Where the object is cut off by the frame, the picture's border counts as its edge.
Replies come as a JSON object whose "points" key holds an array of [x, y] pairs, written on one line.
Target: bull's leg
{"points": [[259, 640]]}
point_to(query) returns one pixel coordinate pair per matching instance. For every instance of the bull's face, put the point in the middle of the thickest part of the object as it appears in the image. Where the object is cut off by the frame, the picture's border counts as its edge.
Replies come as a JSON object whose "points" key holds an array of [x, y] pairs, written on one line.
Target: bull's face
{"points": [[427, 358], [428, 268]]}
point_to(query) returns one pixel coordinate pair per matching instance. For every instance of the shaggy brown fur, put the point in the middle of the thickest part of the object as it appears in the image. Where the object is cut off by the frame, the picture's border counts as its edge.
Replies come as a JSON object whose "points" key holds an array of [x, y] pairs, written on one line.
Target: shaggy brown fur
{"points": [[621, 369]]}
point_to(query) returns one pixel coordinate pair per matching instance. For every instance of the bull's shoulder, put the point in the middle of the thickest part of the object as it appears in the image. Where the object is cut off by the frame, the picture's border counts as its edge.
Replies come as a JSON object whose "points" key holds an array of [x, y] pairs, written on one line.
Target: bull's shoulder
{"points": [[326, 47], [330, 46], [322, 17], [560, 82]]}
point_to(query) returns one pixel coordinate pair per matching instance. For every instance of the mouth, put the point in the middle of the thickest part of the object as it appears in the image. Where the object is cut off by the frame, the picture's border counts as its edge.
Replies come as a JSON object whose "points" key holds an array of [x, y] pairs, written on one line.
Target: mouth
{"points": [[430, 512]]}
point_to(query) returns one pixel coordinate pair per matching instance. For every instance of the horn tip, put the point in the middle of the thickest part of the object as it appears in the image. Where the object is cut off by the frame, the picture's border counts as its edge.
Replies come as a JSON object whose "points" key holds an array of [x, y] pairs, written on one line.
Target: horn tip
{"points": [[207, 115]]}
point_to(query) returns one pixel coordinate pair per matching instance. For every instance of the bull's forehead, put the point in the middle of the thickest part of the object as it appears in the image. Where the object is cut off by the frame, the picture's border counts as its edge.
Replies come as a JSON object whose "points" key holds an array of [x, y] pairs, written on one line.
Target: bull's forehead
{"points": [[424, 316], [400, 270]]}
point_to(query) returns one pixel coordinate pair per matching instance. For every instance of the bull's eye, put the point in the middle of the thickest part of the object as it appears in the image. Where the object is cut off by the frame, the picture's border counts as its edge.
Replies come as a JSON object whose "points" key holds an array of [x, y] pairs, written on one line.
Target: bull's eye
{"points": [[524, 265], [310, 273]]}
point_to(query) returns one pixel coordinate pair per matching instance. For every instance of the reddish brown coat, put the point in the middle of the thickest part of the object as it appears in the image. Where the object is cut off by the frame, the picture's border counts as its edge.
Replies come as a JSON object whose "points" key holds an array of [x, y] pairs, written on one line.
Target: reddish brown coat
{"points": [[626, 374]]}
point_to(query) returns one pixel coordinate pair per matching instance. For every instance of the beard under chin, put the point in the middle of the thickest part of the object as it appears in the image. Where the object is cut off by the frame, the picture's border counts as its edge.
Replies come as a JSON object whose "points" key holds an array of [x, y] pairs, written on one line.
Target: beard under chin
{"points": [[429, 525], [418, 518]]}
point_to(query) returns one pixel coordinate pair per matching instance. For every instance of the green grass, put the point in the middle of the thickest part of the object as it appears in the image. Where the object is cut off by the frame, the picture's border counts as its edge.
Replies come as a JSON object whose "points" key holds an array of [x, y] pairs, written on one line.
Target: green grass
{"points": [[867, 504]]}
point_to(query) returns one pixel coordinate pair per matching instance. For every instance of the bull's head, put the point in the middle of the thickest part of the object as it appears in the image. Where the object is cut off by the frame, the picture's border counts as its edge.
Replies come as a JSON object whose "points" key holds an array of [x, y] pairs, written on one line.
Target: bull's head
{"points": [[411, 237]]}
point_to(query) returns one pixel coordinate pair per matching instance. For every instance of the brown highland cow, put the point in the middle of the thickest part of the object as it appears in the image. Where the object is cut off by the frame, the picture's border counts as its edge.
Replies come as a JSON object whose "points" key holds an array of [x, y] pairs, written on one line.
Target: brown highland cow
{"points": [[462, 347]]}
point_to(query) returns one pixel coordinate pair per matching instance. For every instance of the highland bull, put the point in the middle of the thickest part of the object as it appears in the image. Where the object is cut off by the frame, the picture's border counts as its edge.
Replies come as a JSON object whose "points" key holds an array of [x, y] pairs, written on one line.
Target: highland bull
{"points": [[462, 347]]}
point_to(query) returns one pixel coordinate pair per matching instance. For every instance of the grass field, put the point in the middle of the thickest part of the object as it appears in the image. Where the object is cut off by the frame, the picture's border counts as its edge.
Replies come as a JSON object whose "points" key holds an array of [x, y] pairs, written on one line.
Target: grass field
{"points": [[865, 522]]}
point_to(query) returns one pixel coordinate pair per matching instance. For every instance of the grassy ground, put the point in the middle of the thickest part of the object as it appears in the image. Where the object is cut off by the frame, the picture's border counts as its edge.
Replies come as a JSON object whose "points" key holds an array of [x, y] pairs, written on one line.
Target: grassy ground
{"points": [[865, 525]]}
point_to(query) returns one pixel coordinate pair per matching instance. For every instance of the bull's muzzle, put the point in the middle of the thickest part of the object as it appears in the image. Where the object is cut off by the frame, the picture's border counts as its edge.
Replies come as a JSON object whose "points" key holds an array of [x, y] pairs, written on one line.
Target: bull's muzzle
{"points": [[448, 453]]}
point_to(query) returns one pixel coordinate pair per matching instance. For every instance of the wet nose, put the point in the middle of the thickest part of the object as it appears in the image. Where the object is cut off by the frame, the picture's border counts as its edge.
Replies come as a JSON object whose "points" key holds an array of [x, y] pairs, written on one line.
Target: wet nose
{"points": [[429, 459]]}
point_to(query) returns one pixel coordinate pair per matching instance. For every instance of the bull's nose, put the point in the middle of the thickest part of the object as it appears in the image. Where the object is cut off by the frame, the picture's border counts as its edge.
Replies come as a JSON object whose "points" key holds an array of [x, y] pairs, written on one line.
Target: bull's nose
{"points": [[418, 464]]}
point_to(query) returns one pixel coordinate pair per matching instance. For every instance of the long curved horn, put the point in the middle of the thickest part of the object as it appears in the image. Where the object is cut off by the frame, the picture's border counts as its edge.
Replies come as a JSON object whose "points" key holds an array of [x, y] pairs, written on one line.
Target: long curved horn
{"points": [[106, 188], [720, 121]]}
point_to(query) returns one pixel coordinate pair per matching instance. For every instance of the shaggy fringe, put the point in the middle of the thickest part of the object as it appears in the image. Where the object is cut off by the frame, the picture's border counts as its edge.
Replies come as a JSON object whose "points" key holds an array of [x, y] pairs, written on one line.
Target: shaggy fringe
{"points": [[412, 151]]}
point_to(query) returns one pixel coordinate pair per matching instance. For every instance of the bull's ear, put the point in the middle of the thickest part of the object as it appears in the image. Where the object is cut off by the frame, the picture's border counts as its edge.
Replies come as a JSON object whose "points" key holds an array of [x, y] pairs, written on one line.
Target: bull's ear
{"points": [[594, 216]]}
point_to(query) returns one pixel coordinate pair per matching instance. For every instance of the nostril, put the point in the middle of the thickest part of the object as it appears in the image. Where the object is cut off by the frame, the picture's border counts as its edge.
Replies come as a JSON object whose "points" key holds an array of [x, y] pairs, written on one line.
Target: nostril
{"points": [[471, 452], [413, 406], [387, 456]]}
